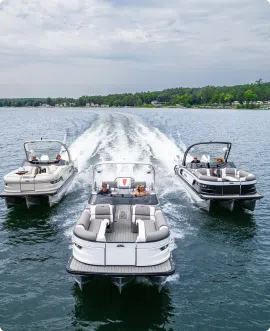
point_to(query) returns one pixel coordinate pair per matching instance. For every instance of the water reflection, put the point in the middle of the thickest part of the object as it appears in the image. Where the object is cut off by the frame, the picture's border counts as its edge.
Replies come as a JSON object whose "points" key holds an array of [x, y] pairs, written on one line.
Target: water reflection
{"points": [[229, 241], [240, 224], [29, 225], [139, 307]]}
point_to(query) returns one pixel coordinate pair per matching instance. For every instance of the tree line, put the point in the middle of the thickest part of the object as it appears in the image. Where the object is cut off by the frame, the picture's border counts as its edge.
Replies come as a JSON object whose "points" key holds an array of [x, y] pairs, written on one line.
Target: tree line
{"points": [[187, 97]]}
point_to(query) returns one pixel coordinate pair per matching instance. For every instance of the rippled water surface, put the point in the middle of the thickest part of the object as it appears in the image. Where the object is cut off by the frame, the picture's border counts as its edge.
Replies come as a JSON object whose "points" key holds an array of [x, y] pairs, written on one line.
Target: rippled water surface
{"points": [[222, 259]]}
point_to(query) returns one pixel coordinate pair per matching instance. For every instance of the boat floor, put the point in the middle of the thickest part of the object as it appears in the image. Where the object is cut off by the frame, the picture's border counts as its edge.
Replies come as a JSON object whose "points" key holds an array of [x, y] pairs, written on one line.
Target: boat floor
{"points": [[122, 226], [77, 268]]}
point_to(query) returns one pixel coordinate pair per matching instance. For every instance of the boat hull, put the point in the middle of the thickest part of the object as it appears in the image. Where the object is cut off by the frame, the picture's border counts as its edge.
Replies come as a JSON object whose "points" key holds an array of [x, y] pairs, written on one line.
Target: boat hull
{"points": [[207, 203], [121, 282], [35, 198]]}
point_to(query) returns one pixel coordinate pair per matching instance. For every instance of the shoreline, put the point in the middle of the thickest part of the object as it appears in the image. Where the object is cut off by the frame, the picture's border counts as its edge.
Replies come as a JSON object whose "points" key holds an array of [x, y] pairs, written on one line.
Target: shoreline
{"points": [[140, 107]]}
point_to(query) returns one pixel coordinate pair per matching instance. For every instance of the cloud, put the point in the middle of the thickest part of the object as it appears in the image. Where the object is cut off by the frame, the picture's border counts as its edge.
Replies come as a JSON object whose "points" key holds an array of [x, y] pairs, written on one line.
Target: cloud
{"points": [[69, 47]]}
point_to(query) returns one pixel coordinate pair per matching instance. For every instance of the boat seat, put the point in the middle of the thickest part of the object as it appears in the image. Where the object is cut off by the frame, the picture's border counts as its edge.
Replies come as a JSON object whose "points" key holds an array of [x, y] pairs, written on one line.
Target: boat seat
{"points": [[142, 212], [30, 172], [245, 176], [206, 174], [152, 230], [103, 211], [229, 174], [90, 229], [94, 223], [201, 171]]}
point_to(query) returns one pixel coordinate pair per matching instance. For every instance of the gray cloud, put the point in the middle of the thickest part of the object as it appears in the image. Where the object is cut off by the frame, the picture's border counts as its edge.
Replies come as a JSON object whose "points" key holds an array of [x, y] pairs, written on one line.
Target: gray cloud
{"points": [[80, 46]]}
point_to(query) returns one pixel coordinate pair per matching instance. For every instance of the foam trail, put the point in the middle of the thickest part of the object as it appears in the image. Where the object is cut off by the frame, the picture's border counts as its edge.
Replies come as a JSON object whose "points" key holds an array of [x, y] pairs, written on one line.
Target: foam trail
{"points": [[118, 137]]}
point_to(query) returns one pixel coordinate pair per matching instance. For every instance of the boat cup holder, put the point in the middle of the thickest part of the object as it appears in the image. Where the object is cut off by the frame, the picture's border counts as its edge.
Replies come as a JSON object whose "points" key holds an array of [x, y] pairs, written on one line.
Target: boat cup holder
{"points": [[122, 215]]}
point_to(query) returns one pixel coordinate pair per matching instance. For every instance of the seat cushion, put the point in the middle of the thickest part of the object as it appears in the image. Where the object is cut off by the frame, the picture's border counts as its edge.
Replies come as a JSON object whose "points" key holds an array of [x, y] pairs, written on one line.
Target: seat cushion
{"points": [[81, 233], [95, 225], [149, 226]]}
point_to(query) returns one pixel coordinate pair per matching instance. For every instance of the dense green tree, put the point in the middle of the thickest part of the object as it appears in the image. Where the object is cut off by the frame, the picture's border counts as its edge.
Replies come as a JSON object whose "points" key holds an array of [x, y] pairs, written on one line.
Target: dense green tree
{"points": [[228, 98], [250, 96]]}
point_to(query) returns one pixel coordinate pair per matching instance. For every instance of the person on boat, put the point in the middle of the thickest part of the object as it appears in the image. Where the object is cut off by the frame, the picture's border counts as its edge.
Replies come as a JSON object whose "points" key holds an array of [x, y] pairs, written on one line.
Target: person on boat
{"points": [[59, 160], [34, 159], [105, 190], [195, 160], [220, 163], [140, 191], [220, 160]]}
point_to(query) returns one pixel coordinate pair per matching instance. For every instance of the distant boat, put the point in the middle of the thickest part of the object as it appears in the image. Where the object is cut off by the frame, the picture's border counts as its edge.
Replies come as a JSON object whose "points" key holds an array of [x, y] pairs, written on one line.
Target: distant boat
{"points": [[212, 183], [42, 176]]}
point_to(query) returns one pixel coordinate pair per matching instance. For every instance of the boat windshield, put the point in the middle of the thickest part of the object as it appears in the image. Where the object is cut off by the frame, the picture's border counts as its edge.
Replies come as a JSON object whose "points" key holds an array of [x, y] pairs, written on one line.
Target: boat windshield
{"points": [[124, 175], [126, 199], [207, 153], [46, 151]]}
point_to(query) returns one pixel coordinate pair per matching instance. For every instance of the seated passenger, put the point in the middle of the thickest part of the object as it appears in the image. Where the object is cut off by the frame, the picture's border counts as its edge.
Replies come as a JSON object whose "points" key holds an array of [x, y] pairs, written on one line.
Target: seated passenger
{"points": [[140, 191], [34, 161], [105, 190], [59, 161], [195, 160]]}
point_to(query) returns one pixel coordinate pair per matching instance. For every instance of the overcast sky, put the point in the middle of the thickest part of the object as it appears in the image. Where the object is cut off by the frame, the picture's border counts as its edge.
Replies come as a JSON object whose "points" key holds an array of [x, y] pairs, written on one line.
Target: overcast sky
{"points": [[77, 47]]}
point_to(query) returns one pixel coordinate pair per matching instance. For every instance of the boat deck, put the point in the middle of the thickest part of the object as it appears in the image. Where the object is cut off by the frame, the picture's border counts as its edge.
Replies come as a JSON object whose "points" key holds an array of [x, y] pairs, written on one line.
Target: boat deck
{"points": [[122, 226], [77, 268]]}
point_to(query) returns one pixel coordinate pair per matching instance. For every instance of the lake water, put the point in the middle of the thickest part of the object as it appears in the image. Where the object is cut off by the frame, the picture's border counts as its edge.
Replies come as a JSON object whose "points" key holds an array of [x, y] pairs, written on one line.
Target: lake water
{"points": [[222, 259]]}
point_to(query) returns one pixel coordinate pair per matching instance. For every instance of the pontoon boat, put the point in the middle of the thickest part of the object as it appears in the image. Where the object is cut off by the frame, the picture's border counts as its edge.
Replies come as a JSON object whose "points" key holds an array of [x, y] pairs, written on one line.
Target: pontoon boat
{"points": [[121, 235], [45, 175], [210, 182]]}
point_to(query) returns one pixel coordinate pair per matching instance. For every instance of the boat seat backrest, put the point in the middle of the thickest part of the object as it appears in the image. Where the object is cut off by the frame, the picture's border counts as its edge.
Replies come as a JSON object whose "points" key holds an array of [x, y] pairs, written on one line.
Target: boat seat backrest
{"points": [[102, 211], [84, 220], [228, 172], [143, 212], [160, 219]]}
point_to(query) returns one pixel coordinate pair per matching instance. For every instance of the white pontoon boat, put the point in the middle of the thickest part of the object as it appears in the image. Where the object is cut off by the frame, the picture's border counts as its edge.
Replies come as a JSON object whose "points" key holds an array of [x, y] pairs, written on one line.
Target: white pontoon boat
{"points": [[210, 182], [43, 176], [121, 235]]}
